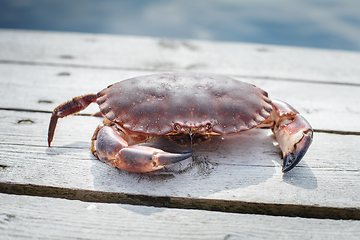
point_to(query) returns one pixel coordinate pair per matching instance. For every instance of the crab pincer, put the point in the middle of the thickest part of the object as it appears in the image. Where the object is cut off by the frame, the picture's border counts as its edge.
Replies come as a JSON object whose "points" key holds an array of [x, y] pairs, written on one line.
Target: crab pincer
{"points": [[293, 133], [110, 147]]}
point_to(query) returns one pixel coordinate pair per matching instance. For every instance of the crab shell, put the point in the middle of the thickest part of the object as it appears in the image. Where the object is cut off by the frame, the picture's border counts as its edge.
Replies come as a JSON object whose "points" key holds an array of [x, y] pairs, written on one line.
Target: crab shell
{"points": [[163, 104]]}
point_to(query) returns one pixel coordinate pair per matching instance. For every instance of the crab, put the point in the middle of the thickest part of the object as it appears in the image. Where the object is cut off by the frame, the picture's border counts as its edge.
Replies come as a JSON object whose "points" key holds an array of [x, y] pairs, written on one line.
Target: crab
{"points": [[182, 106]]}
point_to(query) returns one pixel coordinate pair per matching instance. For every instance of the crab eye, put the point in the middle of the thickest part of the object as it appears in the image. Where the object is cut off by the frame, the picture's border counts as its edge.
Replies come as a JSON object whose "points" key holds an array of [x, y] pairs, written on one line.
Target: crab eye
{"points": [[208, 127], [177, 127]]}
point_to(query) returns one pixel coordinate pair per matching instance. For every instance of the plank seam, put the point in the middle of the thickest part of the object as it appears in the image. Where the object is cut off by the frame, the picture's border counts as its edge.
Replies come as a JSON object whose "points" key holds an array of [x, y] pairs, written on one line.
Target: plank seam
{"points": [[17, 62], [91, 115], [217, 205]]}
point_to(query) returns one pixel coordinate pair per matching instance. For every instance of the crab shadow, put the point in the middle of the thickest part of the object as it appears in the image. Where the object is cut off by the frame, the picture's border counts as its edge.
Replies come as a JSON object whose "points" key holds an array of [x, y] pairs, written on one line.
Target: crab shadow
{"points": [[223, 164], [301, 177], [74, 148]]}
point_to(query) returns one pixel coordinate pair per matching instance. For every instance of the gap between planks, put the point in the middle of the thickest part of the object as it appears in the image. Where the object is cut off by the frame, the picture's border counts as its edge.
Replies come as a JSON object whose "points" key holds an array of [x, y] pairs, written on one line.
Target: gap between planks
{"points": [[28, 63], [217, 205], [86, 114]]}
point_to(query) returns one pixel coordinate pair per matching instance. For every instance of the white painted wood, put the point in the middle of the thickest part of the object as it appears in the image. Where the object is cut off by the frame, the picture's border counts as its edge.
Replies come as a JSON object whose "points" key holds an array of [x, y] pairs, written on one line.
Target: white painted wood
{"points": [[141, 53], [326, 106], [47, 218], [246, 167]]}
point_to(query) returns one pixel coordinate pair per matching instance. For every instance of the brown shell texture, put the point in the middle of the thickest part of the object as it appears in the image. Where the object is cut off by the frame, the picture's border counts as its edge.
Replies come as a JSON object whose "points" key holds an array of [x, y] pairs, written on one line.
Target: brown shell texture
{"points": [[153, 104]]}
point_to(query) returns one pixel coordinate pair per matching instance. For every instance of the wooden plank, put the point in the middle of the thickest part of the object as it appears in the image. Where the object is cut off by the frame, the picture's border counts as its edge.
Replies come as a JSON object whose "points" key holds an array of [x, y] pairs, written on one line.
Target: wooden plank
{"points": [[36, 217], [245, 167], [141, 53], [43, 88]]}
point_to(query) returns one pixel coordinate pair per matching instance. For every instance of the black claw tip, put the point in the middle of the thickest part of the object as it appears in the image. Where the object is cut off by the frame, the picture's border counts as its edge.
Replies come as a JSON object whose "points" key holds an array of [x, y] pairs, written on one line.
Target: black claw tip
{"points": [[166, 159], [292, 159]]}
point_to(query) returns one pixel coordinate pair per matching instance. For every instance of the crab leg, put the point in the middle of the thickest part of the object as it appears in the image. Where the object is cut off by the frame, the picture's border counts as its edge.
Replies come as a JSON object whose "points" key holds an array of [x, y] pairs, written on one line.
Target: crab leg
{"points": [[110, 147], [293, 133], [68, 108]]}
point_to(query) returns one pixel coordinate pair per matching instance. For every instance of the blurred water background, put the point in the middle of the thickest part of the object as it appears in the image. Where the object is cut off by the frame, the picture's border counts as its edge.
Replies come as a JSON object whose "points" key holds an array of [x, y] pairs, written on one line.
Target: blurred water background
{"points": [[329, 24]]}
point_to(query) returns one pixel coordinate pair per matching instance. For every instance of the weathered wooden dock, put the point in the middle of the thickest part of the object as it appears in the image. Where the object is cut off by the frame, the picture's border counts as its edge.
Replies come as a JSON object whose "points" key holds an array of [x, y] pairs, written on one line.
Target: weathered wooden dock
{"points": [[232, 189]]}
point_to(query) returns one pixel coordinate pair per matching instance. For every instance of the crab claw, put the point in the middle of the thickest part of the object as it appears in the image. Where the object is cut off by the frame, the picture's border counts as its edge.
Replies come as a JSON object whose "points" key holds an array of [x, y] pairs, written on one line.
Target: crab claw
{"points": [[293, 133], [110, 147], [145, 159], [292, 159]]}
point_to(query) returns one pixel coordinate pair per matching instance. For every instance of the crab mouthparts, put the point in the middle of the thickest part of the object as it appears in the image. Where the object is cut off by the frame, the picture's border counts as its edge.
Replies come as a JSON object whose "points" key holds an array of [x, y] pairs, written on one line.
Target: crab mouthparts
{"points": [[192, 133]]}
